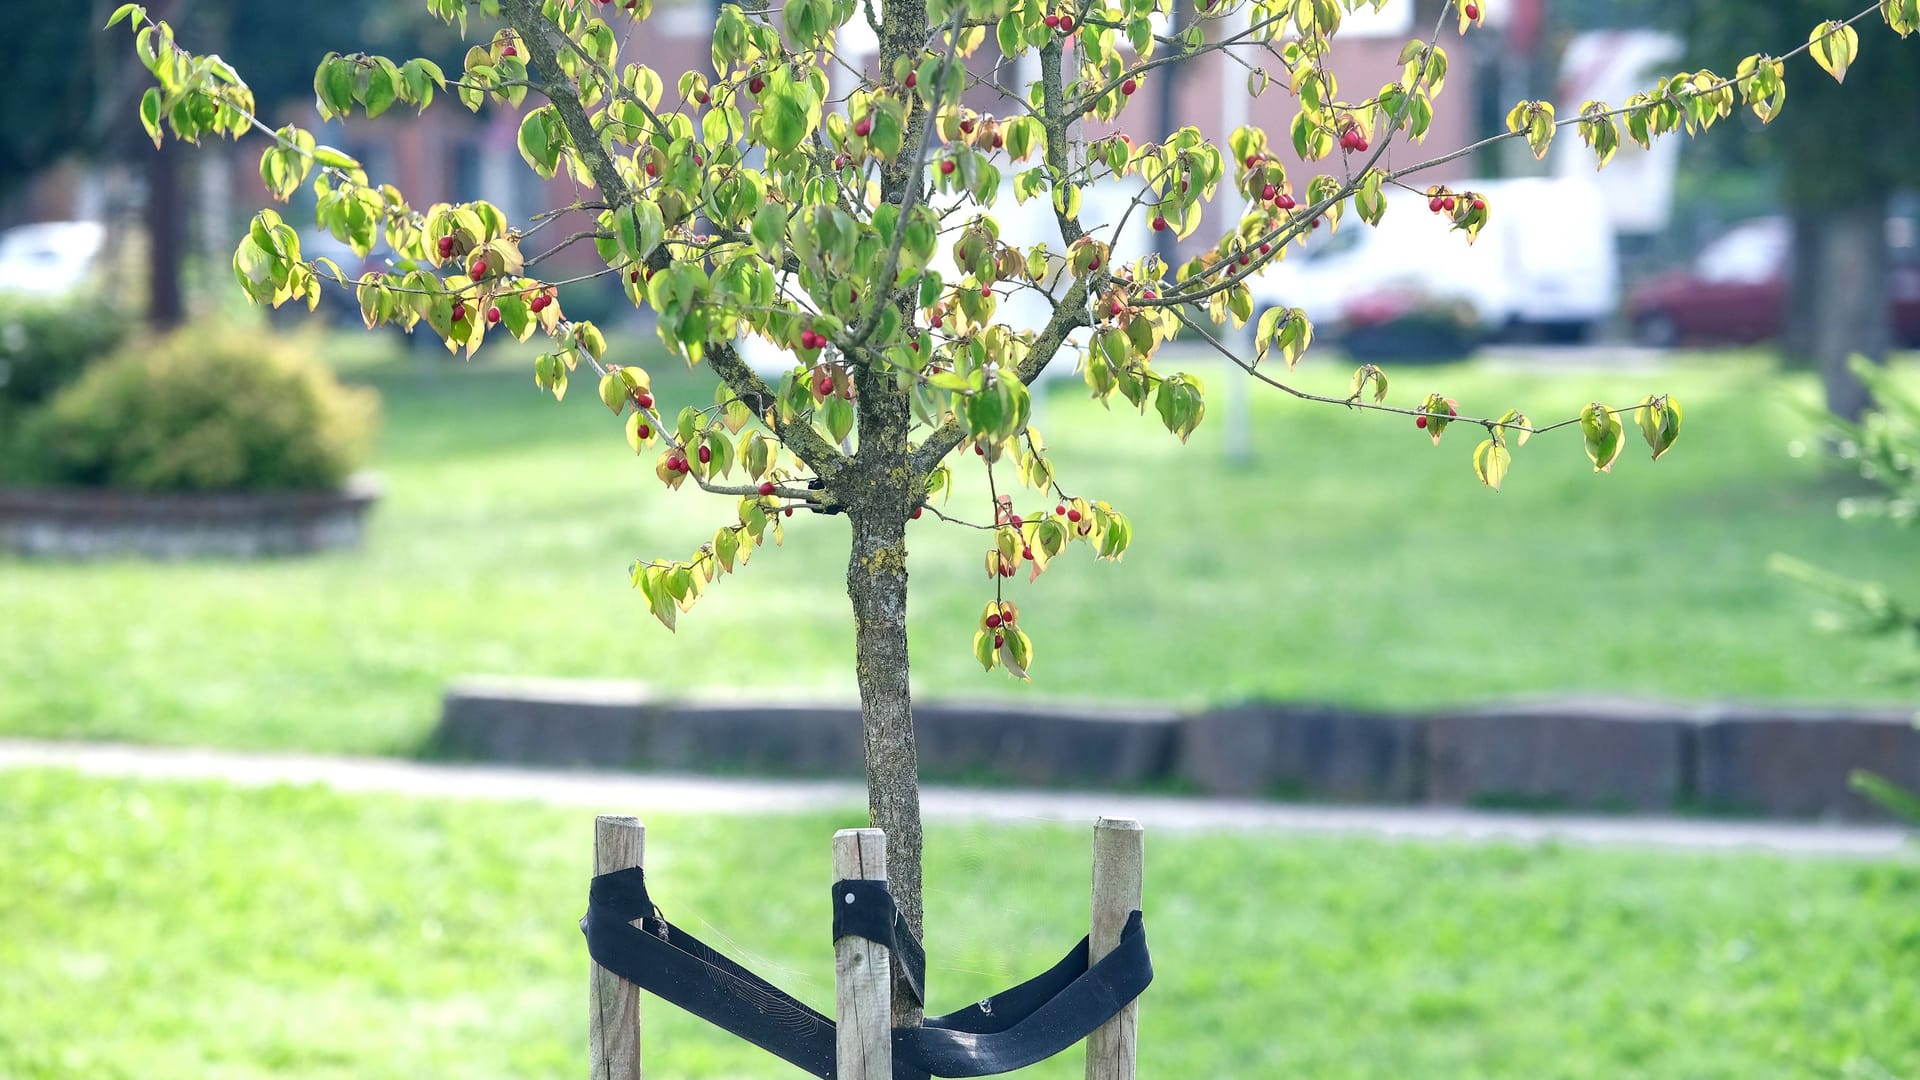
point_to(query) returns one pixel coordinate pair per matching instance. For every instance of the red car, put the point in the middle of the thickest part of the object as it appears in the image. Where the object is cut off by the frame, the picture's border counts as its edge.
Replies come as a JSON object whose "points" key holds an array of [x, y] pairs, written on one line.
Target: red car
{"points": [[1736, 291]]}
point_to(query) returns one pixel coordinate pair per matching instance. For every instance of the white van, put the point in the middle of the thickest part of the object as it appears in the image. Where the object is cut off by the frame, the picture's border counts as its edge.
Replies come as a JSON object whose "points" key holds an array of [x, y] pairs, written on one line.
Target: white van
{"points": [[1545, 260]]}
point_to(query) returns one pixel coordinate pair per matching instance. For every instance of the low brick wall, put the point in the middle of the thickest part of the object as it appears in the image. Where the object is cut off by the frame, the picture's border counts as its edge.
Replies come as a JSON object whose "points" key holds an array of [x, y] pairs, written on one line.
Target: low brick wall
{"points": [[1592, 754], [82, 524]]}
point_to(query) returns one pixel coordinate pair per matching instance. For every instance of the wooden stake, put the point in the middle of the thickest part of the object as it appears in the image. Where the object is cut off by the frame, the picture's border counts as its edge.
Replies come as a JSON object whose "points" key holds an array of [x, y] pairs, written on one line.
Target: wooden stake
{"points": [[619, 843], [862, 970], [1119, 862]]}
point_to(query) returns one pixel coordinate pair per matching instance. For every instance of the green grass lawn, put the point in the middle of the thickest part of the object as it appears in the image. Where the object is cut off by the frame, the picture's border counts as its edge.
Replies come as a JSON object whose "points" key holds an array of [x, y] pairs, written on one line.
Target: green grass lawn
{"points": [[1349, 561], [194, 930]]}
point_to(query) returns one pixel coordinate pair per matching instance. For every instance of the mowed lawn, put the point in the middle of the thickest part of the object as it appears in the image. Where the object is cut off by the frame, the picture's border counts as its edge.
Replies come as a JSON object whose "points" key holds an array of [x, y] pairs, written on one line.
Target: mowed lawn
{"points": [[186, 931], [1350, 560]]}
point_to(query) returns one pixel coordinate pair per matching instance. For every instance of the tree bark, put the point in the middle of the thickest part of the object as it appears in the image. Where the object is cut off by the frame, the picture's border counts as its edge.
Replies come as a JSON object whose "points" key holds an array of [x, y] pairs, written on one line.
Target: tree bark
{"points": [[877, 584], [166, 239], [881, 489], [1802, 315], [1848, 273]]}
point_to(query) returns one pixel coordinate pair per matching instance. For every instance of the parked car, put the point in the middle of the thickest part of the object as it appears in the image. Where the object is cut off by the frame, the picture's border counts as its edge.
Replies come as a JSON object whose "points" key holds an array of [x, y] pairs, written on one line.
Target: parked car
{"points": [[52, 258], [1735, 292], [1544, 261]]}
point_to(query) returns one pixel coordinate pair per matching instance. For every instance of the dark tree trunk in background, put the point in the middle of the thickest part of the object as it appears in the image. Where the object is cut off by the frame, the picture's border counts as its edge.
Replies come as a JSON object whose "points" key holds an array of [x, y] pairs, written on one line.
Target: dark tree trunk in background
{"points": [[1847, 270], [1803, 309], [166, 216]]}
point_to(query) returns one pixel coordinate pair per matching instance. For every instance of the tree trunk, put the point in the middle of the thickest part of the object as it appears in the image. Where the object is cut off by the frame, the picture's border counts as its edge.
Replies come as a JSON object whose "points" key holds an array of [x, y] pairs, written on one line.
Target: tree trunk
{"points": [[166, 239], [1848, 271], [1802, 315], [877, 583]]}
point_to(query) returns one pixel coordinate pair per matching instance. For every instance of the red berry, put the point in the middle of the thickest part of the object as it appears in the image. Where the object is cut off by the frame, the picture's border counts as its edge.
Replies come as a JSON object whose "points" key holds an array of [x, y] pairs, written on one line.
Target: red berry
{"points": [[702, 97], [1447, 204], [766, 487], [1129, 87], [1420, 421], [1061, 509], [478, 269], [1253, 160], [509, 50], [1151, 295], [1094, 263], [947, 167], [1115, 308], [1159, 224], [979, 450], [706, 454], [1066, 24], [1360, 143], [643, 399], [916, 513], [1073, 515], [1006, 569], [493, 316], [643, 431], [446, 246], [1285, 201], [459, 312], [755, 85], [652, 169], [1473, 11], [1479, 204], [1053, 22], [966, 126], [1026, 553], [1451, 411], [913, 79], [1434, 204], [999, 640], [864, 127], [1244, 259], [998, 140], [993, 622], [1269, 193]]}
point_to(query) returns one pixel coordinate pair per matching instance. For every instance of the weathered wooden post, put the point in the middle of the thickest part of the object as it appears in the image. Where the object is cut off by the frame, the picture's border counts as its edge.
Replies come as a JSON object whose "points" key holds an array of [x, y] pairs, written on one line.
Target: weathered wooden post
{"points": [[619, 843], [862, 970], [1119, 863]]}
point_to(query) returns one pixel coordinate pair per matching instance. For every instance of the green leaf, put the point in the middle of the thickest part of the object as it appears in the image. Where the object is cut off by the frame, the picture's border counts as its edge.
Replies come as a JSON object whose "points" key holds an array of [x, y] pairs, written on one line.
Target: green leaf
{"points": [[135, 11], [1602, 429], [1896, 799], [537, 146], [838, 418], [150, 113], [1490, 461], [1659, 420], [1835, 46], [613, 393], [769, 230]]}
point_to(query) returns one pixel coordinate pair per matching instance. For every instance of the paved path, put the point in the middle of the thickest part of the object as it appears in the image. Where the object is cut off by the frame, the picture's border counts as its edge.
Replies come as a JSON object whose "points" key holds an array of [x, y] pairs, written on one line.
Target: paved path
{"points": [[642, 794]]}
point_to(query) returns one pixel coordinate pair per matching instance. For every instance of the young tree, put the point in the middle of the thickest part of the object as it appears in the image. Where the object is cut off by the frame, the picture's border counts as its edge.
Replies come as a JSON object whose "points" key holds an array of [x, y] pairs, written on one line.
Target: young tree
{"points": [[749, 201]]}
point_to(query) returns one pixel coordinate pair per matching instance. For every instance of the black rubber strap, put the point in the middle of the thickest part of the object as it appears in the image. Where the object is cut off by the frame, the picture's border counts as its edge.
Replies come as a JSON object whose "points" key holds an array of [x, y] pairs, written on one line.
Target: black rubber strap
{"points": [[1011, 1030], [864, 909], [665, 960]]}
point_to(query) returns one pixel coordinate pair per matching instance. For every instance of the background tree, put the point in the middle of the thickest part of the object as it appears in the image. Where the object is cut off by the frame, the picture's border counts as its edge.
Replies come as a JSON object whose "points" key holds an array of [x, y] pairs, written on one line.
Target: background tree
{"points": [[1841, 162], [87, 107], [750, 201]]}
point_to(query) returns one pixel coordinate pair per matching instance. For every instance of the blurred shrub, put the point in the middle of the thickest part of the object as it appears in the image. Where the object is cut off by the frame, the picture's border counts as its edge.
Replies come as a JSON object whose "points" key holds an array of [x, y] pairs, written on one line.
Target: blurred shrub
{"points": [[1885, 447], [47, 345], [210, 409]]}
